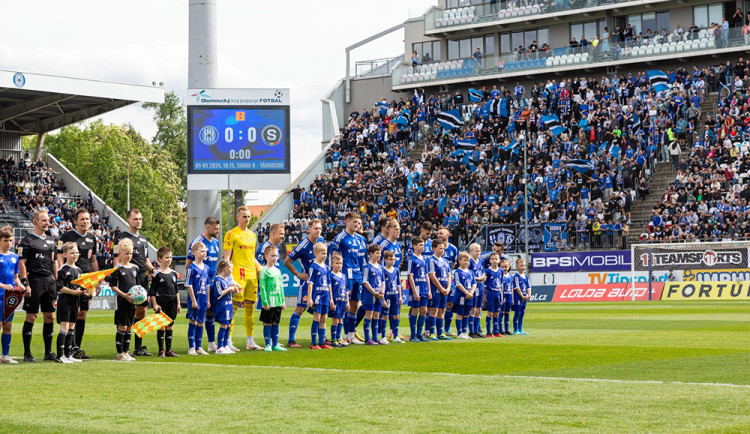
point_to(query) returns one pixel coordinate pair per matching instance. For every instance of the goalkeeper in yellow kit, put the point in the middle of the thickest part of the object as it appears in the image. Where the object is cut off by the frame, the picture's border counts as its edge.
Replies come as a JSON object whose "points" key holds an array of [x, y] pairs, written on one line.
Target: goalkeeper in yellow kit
{"points": [[239, 247]]}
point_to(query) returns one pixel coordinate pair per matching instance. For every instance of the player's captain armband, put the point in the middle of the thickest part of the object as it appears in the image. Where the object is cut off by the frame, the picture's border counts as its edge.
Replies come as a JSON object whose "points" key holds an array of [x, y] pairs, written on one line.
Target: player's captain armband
{"points": [[59, 244]]}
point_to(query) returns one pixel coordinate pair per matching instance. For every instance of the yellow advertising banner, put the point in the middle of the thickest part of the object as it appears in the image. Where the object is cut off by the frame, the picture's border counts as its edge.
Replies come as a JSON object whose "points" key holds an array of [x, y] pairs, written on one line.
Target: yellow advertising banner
{"points": [[728, 275], [739, 290]]}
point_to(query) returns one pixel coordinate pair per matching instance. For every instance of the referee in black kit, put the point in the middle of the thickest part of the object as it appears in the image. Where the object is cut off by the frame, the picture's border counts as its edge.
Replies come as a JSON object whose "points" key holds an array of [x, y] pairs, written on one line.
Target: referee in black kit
{"points": [[37, 269], [86, 242], [140, 258]]}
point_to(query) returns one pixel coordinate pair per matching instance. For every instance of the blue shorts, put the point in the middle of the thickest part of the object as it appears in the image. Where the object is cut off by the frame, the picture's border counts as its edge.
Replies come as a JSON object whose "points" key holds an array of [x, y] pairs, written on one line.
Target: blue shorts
{"points": [[439, 301], [367, 298], [197, 315], [2, 313], [476, 301], [507, 302], [355, 287], [302, 297], [393, 303], [224, 316], [494, 301], [517, 302], [340, 310], [463, 309], [375, 306], [322, 302], [422, 301]]}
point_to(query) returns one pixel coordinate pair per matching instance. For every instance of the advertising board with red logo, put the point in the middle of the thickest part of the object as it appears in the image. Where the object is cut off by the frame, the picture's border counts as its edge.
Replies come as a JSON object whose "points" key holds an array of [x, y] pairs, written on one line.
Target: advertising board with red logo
{"points": [[608, 292]]}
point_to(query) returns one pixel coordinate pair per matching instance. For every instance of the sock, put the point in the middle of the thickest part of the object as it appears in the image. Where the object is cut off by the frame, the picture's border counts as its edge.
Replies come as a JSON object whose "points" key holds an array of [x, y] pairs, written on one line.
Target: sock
{"points": [[267, 334], [220, 337], [360, 315], [275, 335], [118, 341], [126, 342], [249, 319], [448, 318], [465, 324], [394, 326], [80, 329], [430, 324], [522, 313], [293, 323], [515, 319], [334, 337], [70, 341], [210, 326], [439, 322], [367, 329], [227, 337], [420, 325], [191, 335], [374, 324], [488, 323], [339, 329], [168, 339], [138, 340], [160, 339], [496, 325], [61, 337], [506, 321], [413, 325], [48, 331], [314, 332], [478, 324], [470, 320], [322, 335], [6, 344], [198, 336], [349, 322], [382, 327]]}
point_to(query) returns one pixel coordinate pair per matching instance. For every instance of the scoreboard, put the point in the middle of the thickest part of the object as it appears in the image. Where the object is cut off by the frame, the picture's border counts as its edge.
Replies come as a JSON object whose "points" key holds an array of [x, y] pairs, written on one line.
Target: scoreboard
{"points": [[238, 139]]}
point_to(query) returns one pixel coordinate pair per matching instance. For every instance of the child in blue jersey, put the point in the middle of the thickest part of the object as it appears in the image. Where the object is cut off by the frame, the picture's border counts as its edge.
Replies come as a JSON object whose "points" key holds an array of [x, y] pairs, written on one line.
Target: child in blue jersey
{"points": [[419, 294], [372, 296], [522, 294], [8, 281], [493, 296], [222, 289], [319, 297], [466, 287], [340, 293], [507, 303], [477, 267], [440, 284], [196, 283], [392, 300]]}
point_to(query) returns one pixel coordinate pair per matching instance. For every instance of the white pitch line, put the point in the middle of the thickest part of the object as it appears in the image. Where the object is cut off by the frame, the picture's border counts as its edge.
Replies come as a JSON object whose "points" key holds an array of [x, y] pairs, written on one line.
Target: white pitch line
{"points": [[451, 374]]}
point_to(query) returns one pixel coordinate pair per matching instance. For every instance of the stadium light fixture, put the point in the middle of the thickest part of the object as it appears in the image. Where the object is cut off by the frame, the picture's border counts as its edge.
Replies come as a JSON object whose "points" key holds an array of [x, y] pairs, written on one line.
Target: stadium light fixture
{"points": [[141, 159]]}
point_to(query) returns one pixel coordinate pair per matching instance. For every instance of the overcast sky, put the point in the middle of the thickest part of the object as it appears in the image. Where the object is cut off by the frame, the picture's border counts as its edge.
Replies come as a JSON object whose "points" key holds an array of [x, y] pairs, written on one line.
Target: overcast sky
{"points": [[299, 45]]}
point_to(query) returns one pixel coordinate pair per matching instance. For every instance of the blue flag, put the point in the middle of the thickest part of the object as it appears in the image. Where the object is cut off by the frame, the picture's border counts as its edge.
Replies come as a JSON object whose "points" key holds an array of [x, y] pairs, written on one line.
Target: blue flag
{"points": [[503, 107], [466, 143], [475, 95], [382, 106], [658, 79], [450, 120], [510, 146], [581, 166], [552, 123]]}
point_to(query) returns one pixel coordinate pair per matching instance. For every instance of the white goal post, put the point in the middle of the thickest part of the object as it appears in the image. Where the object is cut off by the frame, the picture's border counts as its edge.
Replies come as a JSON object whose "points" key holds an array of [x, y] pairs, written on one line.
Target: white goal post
{"points": [[697, 261]]}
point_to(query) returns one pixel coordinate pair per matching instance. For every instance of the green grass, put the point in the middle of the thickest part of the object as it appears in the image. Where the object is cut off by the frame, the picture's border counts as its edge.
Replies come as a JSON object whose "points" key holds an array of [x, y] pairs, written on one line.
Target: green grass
{"points": [[658, 367]]}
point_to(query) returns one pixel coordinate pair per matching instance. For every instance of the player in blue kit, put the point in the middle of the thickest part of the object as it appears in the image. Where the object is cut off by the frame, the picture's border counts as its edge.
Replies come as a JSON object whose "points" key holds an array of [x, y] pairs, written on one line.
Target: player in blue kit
{"points": [[391, 244], [477, 267], [466, 287], [508, 297], [211, 229], [450, 255], [305, 255], [8, 281], [440, 284], [353, 249], [392, 300], [425, 234], [493, 296], [419, 291], [383, 234], [319, 297], [222, 289], [522, 294], [372, 296], [196, 283], [340, 293]]}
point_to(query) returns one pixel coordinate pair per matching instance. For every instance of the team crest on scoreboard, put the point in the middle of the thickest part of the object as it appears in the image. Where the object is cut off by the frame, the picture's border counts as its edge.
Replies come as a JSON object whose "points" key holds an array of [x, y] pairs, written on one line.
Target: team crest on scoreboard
{"points": [[209, 135], [271, 135]]}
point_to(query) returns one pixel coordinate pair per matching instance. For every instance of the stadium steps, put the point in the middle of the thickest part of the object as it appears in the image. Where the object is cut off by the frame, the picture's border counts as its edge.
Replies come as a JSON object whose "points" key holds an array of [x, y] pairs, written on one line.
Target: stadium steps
{"points": [[640, 212]]}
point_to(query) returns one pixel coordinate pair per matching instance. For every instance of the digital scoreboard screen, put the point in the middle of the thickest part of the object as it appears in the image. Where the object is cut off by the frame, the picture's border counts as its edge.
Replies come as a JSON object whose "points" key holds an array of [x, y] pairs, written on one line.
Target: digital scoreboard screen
{"points": [[238, 139]]}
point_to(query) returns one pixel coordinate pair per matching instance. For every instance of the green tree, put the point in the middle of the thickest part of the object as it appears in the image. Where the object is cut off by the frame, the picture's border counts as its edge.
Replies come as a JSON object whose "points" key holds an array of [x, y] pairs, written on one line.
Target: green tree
{"points": [[171, 134], [98, 154]]}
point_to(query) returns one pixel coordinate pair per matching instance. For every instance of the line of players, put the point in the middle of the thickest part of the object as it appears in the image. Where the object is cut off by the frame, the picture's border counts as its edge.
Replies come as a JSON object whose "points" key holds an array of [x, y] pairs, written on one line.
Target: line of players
{"points": [[438, 291]]}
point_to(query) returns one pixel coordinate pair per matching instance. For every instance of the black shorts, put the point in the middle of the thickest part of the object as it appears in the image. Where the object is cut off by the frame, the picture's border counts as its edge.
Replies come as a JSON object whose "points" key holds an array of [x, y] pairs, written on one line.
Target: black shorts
{"points": [[84, 302], [43, 294], [143, 281], [124, 312], [270, 316], [67, 308], [168, 306]]}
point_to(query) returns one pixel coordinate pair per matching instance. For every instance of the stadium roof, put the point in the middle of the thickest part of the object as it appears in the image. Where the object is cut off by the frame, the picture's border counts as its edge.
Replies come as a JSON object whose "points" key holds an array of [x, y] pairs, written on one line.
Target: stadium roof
{"points": [[38, 103]]}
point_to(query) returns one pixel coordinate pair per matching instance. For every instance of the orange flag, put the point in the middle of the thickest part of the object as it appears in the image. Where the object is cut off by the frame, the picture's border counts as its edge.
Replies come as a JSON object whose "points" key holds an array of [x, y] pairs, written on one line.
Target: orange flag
{"points": [[90, 280], [151, 323]]}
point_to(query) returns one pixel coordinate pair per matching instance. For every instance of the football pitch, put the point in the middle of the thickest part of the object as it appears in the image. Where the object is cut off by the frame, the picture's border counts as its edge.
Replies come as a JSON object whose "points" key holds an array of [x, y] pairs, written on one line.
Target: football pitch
{"points": [[633, 367]]}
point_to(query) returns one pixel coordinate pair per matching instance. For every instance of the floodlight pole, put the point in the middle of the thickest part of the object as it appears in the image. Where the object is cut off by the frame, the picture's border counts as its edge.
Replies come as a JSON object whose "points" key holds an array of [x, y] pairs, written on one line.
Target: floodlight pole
{"points": [[202, 74]]}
